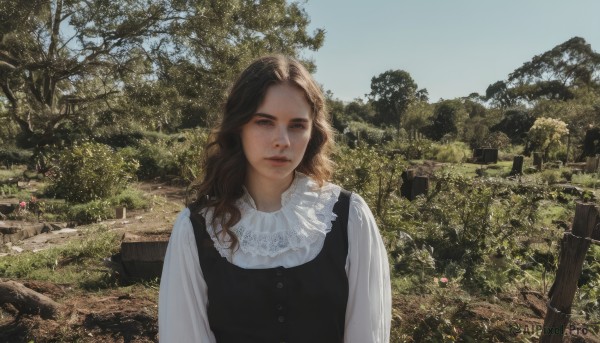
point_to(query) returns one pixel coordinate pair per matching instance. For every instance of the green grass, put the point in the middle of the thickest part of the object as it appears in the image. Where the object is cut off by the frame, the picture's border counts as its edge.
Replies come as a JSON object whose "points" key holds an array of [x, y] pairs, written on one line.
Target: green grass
{"points": [[13, 172], [77, 262], [550, 211], [500, 169], [586, 180]]}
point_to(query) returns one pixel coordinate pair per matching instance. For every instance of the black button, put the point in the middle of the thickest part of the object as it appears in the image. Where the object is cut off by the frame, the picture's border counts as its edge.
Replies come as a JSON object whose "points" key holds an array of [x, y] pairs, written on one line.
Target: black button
{"points": [[279, 272], [280, 285], [279, 307], [281, 319]]}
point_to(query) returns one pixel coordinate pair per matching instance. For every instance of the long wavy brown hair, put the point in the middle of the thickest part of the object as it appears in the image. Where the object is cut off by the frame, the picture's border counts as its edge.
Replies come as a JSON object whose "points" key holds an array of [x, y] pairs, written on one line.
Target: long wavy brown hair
{"points": [[224, 162]]}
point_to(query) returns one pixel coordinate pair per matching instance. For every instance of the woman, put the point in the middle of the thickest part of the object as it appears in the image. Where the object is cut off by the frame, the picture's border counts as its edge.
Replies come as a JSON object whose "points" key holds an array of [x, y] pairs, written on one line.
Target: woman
{"points": [[270, 251]]}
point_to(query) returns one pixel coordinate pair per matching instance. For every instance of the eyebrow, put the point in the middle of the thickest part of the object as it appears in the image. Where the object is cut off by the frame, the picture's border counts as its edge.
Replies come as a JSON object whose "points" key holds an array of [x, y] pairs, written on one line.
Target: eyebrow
{"points": [[268, 116]]}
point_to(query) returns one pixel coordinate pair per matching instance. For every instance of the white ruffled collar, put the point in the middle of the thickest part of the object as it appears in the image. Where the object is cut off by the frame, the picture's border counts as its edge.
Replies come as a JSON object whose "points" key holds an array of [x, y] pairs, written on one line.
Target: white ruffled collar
{"points": [[306, 216]]}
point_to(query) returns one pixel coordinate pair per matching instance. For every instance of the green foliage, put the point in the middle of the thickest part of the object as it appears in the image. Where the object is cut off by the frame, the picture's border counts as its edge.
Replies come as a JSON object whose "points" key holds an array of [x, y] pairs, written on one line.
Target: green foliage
{"points": [[546, 135], [176, 156], [469, 223], [8, 190], [448, 118], [391, 94], [554, 75], [551, 176], [515, 124], [132, 199], [113, 62], [414, 149], [455, 152], [191, 153], [96, 244], [90, 212], [156, 158], [373, 174], [90, 171], [369, 134], [586, 180], [498, 140], [10, 155]]}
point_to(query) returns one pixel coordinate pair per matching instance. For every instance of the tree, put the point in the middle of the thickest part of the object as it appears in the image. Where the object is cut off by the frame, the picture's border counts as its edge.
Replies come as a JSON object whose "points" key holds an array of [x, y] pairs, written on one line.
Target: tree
{"points": [[359, 110], [546, 135], [417, 117], [515, 124], [391, 94], [77, 64], [448, 118], [553, 75]]}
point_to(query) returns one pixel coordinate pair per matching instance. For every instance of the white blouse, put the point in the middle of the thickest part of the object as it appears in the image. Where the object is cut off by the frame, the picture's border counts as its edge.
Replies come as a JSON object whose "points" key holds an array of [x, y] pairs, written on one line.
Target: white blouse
{"points": [[289, 237]]}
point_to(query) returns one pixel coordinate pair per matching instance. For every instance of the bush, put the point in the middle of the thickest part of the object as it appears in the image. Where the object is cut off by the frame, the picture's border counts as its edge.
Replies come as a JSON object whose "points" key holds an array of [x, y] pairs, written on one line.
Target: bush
{"points": [[368, 133], [91, 212], [497, 140], [586, 180], [12, 155], [415, 149], [550, 176], [156, 159], [191, 152], [90, 171], [132, 199], [454, 152]]}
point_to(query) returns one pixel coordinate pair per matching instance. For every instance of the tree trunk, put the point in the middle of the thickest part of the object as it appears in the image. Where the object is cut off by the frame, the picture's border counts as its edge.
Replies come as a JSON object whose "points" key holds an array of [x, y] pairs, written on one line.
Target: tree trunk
{"points": [[28, 301]]}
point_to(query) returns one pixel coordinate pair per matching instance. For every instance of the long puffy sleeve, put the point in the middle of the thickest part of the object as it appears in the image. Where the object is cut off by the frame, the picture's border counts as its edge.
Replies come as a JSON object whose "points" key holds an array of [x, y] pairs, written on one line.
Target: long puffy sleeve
{"points": [[369, 308], [182, 299]]}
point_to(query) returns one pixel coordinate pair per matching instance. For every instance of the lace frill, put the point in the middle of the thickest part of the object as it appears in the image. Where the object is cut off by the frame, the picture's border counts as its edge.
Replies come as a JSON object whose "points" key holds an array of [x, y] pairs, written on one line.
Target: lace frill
{"points": [[304, 219]]}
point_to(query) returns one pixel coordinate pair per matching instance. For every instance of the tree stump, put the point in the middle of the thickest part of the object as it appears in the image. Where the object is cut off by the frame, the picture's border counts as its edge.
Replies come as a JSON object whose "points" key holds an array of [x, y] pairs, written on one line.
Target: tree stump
{"points": [[28, 301]]}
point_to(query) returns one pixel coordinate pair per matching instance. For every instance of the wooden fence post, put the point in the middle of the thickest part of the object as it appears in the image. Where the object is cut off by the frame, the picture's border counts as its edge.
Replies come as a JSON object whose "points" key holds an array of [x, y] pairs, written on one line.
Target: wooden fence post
{"points": [[574, 246]]}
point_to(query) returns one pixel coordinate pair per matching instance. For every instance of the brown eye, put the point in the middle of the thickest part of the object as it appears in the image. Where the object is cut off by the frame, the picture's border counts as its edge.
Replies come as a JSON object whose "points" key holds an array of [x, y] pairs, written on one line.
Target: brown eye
{"points": [[263, 122]]}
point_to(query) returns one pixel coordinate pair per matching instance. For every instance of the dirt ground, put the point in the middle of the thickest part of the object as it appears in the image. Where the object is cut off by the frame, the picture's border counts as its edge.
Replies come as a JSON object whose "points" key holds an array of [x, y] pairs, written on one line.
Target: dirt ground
{"points": [[120, 314]]}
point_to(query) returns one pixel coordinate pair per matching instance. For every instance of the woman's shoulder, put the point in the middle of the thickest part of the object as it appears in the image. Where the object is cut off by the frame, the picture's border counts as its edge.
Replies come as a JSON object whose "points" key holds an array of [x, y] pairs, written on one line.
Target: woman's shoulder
{"points": [[182, 228]]}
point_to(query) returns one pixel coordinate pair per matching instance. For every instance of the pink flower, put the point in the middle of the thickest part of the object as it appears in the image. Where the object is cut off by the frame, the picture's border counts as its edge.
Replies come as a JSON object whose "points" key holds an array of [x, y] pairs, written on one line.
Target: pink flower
{"points": [[22, 204], [443, 282]]}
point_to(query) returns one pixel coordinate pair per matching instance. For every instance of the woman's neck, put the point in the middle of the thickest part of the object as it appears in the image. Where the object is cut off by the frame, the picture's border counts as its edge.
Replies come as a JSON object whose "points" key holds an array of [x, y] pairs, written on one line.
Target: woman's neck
{"points": [[266, 193]]}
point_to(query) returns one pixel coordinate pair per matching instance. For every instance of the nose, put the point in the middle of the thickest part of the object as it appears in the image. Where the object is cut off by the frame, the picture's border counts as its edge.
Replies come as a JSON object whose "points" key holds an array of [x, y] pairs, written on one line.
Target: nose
{"points": [[281, 139]]}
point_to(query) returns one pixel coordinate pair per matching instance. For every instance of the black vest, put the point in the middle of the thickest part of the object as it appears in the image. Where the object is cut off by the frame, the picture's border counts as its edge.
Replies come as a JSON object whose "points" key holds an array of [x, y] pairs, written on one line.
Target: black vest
{"points": [[306, 303]]}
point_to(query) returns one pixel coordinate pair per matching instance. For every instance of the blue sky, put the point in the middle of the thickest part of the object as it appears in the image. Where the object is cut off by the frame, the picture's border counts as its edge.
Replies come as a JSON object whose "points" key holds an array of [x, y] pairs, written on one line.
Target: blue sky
{"points": [[450, 47]]}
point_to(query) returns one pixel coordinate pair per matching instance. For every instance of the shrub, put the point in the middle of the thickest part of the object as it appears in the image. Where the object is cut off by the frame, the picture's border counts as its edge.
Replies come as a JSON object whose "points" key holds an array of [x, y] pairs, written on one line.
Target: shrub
{"points": [[91, 212], [90, 171], [190, 154], [415, 149], [550, 176], [12, 155], [454, 152], [497, 140], [368, 133], [156, 159], [132, 199], [586, 180]]}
